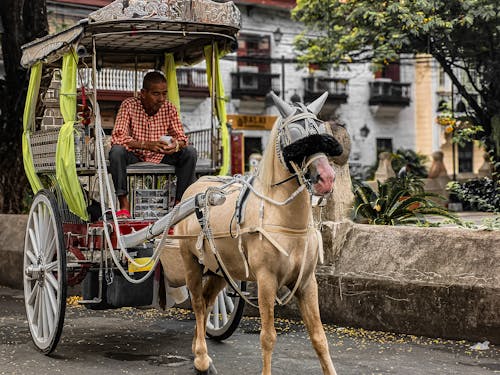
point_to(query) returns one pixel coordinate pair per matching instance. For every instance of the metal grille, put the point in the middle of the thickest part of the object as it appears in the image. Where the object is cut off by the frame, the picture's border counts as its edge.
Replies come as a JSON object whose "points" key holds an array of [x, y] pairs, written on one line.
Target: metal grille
{"points": [[152, 195], [43, 149]]}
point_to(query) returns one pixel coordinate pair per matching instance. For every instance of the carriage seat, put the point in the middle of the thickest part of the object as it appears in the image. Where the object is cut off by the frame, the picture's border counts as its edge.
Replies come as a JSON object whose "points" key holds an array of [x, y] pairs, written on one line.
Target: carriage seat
{"points": [[203, 166], [145, 167]]}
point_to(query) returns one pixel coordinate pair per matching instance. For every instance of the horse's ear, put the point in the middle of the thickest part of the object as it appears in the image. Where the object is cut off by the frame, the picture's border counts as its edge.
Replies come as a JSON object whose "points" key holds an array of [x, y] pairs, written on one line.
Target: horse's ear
{"points": [[316, 106], [284, 108]]}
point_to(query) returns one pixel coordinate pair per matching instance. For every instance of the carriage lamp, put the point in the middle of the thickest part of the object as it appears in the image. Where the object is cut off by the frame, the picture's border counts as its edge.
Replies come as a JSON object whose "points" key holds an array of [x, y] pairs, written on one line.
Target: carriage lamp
{"points": [[278, 34]]}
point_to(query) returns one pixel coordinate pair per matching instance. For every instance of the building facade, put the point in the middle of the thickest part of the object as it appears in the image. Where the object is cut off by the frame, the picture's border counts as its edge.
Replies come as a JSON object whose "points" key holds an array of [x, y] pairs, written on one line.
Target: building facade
{"points": [[382, 111]]}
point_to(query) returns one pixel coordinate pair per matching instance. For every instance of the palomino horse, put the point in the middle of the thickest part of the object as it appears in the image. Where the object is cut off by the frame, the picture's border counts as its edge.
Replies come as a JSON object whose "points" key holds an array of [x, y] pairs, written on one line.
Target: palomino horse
{"points": [[276, 243]]}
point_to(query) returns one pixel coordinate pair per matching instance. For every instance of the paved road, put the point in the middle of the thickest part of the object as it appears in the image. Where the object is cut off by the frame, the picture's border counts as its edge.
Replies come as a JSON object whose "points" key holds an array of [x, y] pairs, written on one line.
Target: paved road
{"points": [[132, 341]]}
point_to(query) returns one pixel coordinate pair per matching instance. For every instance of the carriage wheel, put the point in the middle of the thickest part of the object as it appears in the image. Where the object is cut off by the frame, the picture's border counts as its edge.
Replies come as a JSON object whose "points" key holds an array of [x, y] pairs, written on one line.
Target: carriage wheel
{"points": [[226, 314], [45, 272]]}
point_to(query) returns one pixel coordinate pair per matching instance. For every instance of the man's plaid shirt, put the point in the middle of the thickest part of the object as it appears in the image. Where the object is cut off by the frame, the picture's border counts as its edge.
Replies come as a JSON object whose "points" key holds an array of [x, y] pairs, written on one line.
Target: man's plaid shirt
{"points": [[134, 124]]}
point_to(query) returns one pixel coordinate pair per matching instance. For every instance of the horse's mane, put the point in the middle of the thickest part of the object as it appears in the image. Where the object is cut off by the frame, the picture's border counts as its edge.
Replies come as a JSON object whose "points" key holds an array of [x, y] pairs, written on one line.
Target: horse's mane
{"points": [[267, 164]]}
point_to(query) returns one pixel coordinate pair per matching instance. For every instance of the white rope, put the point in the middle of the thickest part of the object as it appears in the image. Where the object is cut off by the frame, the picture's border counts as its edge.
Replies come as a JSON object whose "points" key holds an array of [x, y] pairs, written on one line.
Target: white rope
{"points": [[102, 175]]}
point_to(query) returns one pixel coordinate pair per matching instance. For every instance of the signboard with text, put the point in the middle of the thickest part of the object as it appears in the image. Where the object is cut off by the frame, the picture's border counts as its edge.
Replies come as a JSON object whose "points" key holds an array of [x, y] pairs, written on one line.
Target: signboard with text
{"points": [[252, 122]]}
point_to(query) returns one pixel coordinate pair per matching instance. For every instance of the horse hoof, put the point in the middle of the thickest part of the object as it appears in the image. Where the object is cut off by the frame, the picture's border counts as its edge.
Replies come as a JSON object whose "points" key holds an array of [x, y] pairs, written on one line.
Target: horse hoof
{"points": [[211, 370]]}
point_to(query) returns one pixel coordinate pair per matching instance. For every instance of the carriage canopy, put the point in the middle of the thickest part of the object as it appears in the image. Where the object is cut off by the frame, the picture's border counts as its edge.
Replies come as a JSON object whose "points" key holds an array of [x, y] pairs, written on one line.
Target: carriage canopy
{"points": [[139, 34]]}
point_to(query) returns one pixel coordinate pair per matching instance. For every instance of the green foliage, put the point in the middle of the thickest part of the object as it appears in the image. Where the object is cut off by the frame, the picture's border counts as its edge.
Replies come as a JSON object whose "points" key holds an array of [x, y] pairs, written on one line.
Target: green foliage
{"points": [[399, 201], [482, 194], [416, 162], [462, 35]]}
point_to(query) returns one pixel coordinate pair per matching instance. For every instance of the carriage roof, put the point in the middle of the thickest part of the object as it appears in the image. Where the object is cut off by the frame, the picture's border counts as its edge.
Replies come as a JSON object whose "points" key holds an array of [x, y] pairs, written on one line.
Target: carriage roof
{"points": [[139, 32]]}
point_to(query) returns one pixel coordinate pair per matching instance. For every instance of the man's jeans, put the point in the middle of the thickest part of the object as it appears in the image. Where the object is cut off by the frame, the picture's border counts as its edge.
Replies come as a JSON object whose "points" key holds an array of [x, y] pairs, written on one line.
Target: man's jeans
{"points": [[184, 162]]}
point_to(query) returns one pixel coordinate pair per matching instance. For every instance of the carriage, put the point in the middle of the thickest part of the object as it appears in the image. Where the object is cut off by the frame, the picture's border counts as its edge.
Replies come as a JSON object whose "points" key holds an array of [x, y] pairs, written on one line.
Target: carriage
{"points": [[73, 236]]}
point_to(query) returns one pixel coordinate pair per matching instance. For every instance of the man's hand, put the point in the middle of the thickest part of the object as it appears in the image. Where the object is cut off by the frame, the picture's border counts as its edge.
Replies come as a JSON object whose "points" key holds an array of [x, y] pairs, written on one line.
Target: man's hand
{"points": [[158, 146], [163, 147]]}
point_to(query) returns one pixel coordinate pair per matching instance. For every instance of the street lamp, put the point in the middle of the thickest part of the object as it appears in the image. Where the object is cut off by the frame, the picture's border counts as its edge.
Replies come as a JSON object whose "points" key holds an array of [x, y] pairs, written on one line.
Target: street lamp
{"points": [[277, 35], [364, 131], [295, 98]]}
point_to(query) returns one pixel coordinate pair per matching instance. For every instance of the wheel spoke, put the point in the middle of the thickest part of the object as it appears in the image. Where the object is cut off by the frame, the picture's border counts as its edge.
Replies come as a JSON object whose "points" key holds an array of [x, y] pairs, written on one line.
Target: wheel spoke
{"points": [[34, 243], [52, 281], [36, 230], [50, 311], [50, 267], [33, 292], [229, 302], [42, 227], [45, 318], [38, 313], [31, 257], [52, 299], [222, 307], [215, 314], [50, 249]]}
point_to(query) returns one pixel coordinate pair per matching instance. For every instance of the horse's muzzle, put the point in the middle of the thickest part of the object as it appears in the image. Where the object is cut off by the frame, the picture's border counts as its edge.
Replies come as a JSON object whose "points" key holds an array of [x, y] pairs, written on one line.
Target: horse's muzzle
{"points": [[322, 176]]}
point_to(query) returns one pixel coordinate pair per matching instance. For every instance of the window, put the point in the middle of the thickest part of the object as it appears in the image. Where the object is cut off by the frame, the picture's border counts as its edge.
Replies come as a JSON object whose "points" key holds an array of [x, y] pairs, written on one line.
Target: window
{"points": [[465, 154], [390, 71], [254, 47], [384, 144]]}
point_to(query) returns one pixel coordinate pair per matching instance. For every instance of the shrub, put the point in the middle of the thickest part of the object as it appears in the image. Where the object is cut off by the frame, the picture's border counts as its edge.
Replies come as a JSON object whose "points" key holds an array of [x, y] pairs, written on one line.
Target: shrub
{"points": [[482, 194], [399, 201]]}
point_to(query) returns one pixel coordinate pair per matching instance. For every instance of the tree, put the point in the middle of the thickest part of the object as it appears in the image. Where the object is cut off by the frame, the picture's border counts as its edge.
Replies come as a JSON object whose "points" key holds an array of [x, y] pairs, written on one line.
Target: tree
{"points": [[23, 21], [462, 35]]}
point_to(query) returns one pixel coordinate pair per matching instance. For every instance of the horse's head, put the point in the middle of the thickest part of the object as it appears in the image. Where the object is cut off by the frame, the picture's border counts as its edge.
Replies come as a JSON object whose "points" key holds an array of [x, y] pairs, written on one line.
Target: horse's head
{"points": [[304, 143]]}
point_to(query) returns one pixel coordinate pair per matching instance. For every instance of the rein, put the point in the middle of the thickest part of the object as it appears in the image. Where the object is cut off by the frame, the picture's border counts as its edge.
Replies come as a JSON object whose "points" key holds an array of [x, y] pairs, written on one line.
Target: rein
{"points": [[263, 230]]}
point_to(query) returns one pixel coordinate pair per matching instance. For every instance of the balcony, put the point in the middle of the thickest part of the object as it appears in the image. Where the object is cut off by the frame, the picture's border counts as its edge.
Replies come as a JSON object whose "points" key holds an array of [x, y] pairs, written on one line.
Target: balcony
{"points": [[253, 84], [386, 92], [119, 84], [316, 86], [387, 98]]}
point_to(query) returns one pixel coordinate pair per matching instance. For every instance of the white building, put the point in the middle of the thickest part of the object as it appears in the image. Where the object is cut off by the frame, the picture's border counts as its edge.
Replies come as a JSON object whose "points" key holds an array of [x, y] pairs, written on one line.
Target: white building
{"points": [[387, 110]]}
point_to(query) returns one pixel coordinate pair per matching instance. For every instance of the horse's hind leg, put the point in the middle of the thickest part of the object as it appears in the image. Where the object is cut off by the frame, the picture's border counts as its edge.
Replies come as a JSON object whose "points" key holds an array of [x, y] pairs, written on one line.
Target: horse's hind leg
{"points": [[309, 309], [267, 286], [194, 276], [211, 288]]}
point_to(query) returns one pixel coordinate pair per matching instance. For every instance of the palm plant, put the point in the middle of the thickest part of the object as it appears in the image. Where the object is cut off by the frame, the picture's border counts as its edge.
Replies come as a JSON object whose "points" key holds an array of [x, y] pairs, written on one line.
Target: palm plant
{"points": [[396, 202]]}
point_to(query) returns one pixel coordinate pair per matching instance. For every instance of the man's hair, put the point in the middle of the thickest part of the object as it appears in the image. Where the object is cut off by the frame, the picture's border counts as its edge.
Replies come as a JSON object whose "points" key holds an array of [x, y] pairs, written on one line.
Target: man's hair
{"points": [[152, 78]]}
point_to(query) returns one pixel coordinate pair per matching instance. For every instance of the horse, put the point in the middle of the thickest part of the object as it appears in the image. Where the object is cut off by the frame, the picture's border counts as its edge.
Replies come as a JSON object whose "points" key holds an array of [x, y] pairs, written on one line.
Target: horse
{"points": [[276, 243]]}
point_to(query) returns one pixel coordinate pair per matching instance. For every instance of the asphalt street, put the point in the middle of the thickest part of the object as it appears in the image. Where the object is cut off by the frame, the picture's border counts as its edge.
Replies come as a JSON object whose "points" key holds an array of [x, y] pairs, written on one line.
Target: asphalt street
{"points": [[134, 341]]}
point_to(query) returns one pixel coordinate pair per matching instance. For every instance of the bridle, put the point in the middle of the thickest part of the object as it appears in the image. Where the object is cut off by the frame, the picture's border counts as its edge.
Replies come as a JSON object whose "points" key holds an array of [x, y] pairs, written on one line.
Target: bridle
{"points": [[297, 131]]}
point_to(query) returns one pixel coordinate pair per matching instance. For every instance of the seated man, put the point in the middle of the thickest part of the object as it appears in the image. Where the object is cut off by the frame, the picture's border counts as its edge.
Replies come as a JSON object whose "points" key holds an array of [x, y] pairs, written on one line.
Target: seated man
{"points": [[139, 125]]}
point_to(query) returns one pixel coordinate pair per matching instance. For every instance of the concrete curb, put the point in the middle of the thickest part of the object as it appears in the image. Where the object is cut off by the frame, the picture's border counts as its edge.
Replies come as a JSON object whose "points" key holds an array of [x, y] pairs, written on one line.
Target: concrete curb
{"points": [[438, 282], [12, 228]]}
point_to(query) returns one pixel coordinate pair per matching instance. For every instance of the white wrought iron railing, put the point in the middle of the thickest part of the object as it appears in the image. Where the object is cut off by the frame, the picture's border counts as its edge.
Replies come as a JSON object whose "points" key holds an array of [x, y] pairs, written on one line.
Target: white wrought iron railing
{"points": [[131, 80]]}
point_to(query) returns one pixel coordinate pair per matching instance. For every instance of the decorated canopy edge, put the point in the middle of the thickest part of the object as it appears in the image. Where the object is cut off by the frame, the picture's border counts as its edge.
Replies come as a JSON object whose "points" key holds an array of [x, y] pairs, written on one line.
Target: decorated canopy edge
{"points": [[205, 13], [197, 11]]}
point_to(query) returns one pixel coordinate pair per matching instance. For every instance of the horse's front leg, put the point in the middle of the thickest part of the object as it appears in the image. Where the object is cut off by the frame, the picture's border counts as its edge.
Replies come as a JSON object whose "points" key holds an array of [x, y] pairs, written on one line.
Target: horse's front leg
{"points": [[309, 309], [267, 286], [202, 361]]}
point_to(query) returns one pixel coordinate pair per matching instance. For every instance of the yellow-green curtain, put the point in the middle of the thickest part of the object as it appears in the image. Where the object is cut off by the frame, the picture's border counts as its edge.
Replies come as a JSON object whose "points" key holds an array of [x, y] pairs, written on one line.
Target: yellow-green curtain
{"points": [[66, 175], [171, 75], [219, 102], [28, 120]]}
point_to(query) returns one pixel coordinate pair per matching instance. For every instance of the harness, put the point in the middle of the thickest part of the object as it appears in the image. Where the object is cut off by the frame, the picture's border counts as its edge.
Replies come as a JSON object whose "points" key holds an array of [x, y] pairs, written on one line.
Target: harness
{"points": [[297, 136]]}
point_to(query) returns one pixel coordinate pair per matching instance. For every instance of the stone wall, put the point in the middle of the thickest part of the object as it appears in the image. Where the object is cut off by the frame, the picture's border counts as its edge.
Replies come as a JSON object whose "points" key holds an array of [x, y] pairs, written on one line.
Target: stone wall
{"points": [[437, 282], [12, 228]]}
